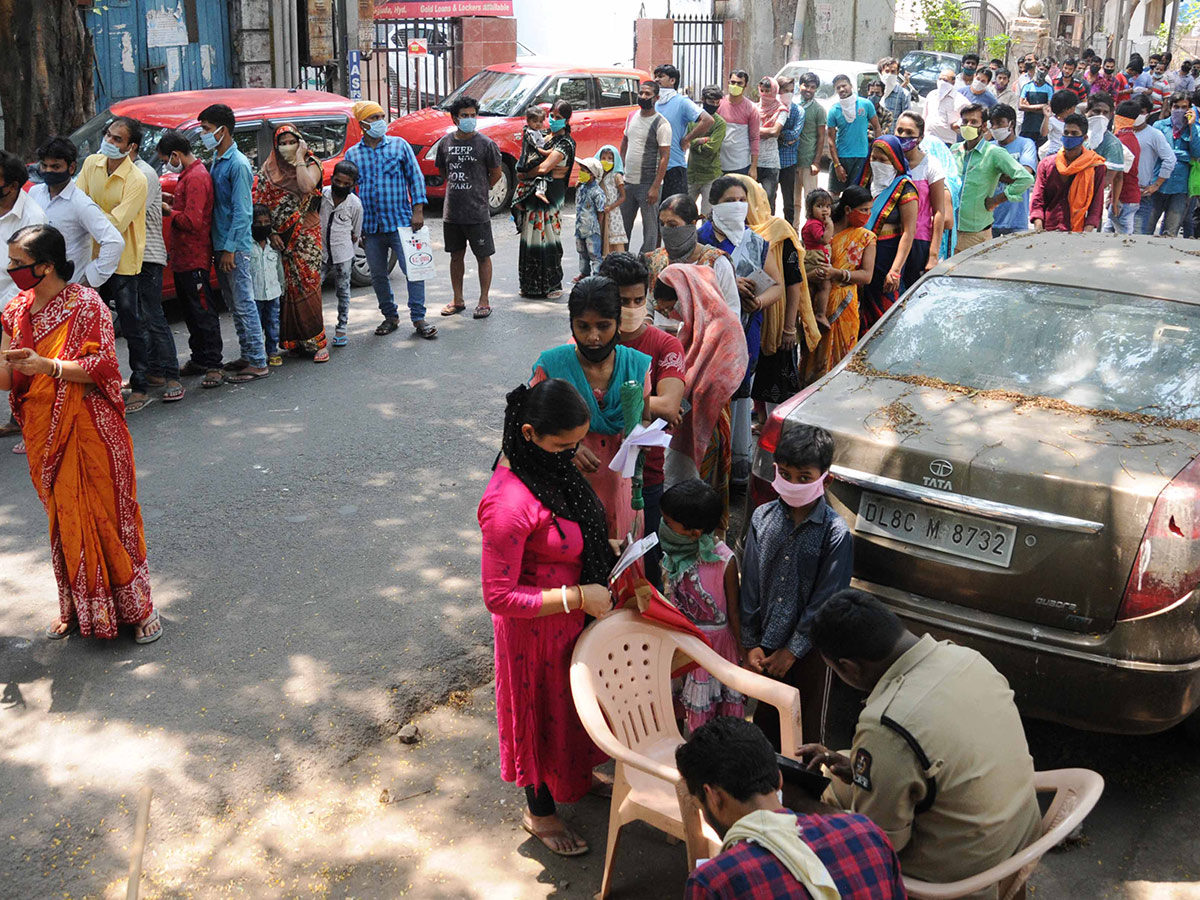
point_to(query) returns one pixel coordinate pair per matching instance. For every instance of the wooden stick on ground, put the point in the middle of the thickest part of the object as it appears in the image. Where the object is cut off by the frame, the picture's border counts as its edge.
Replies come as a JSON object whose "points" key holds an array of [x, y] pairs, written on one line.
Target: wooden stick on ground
{"points": [[139, 843]]}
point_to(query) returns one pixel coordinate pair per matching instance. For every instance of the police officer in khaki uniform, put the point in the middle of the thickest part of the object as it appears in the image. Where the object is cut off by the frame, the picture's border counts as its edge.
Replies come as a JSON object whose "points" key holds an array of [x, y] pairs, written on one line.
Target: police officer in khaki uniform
{"points": [[939, 760]]}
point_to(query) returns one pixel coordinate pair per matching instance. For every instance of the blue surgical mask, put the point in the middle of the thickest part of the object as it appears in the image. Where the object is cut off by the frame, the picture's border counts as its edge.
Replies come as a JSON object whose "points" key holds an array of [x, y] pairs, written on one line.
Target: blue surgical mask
{"points": [[377, 129], [209, 139], [111, 150], [466, 124], [1070, 142], [557, 125]]}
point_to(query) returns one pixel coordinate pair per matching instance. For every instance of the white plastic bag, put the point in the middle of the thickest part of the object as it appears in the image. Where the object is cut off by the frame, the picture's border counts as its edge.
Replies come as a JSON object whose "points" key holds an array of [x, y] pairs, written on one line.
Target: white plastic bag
{"points": [[418, 253]]}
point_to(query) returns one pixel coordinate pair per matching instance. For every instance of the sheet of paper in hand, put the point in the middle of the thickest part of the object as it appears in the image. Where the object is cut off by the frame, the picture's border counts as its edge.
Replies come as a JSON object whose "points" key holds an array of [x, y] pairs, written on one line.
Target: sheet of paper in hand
{"points": [[635, 551]]}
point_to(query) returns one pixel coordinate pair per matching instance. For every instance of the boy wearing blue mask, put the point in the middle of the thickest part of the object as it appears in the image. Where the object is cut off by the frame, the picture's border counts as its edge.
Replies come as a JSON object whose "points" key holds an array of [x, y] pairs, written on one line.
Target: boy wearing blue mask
{"points": [[798, 554], [470, 163]]}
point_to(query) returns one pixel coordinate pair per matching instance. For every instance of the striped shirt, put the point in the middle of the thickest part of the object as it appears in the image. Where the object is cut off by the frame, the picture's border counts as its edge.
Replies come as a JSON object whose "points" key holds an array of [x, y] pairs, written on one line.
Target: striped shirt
{"points": [[645, 137], [390, 183]]}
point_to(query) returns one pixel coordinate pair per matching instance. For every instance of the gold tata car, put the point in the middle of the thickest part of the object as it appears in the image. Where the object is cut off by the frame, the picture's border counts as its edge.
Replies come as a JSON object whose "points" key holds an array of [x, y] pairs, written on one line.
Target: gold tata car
{"points": [[1017, 448]]}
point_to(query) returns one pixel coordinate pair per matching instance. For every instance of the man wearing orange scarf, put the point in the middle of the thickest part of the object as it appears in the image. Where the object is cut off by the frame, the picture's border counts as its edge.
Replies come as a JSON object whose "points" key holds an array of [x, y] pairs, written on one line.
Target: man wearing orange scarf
{"points": [[1068, 194]]}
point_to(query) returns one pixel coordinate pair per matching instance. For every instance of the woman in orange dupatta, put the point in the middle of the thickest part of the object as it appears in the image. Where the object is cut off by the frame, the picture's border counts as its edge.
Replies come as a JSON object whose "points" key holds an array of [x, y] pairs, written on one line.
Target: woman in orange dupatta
{"points": [[60, 369], [714, 347], [293, 194]]}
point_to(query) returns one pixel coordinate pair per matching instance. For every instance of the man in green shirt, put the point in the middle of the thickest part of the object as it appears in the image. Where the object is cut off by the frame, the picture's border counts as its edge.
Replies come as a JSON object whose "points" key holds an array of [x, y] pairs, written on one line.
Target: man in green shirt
{"points": [[982, 166], [704, 155], [810, 142]]}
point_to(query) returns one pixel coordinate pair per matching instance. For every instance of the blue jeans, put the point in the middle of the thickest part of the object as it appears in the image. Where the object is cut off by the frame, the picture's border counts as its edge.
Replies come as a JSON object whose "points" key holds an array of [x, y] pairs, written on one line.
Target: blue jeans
{"points": [[1124, 223], [1189, 217], [1168, 207], [341, 280], [163, 357], [589, 247], [238, 288], [268, 314], [121, 293], [377, 247]]}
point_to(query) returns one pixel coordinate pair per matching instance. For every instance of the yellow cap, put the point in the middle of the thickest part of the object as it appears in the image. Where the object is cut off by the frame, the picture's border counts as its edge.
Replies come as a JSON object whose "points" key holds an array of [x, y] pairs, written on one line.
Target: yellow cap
{"points": [[364, 109]]}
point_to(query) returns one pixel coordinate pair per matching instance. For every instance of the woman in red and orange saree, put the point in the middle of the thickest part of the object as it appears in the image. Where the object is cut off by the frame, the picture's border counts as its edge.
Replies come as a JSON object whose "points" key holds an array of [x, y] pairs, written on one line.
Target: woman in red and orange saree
{"points": [[60, 368]]}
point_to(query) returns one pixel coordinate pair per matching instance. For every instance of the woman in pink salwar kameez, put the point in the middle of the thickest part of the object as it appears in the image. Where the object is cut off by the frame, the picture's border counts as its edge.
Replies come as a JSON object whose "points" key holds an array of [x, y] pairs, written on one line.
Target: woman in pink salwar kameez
{"points": [[546, 559]]}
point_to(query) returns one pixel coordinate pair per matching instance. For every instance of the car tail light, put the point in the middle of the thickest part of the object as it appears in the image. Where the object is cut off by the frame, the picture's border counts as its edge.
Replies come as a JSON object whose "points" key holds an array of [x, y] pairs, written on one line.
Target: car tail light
{"points": [[768, 438], [1167, 567]]}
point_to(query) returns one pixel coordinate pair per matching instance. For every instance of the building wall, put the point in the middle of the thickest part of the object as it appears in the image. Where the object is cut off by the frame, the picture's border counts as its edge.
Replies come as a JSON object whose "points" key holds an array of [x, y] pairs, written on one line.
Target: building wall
{"points": [[250, 29]]}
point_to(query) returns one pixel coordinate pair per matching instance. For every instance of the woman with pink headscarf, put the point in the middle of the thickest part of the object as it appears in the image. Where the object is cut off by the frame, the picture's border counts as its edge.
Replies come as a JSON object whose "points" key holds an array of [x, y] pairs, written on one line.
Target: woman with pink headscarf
{"points": [[714, 347], [772, 117]]}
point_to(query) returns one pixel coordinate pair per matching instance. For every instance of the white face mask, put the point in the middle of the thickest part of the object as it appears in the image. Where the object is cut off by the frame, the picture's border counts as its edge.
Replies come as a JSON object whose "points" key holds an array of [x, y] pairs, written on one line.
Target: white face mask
{"points": [[632, 317], [1097, 128], [665, 94], [889, 81], [730, 219], [849, 107], [786, 99], [173, 168], [978, 86], [882, 176], [1001, 134], [798, 495], [1139, 121], [944, 88]]}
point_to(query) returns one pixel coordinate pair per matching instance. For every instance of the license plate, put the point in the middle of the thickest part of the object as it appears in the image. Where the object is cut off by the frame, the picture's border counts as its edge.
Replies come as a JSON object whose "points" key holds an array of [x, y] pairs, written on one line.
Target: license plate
{"points": [[938, 529]]}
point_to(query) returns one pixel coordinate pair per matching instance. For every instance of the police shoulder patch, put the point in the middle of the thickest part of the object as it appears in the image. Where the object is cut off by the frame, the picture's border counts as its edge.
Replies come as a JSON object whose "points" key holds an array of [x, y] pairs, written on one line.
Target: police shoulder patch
{"points": [[862, 769]]}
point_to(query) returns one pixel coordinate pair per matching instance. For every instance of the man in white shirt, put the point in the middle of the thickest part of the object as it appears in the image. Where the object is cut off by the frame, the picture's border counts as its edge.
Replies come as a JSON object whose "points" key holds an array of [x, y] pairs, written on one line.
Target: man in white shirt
{"points": [[76, 215], [942, 108]]}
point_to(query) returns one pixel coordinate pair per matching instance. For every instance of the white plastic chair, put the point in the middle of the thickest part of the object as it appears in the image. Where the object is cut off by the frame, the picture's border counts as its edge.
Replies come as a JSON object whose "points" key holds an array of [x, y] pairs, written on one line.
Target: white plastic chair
{"points": [[621, 683], [1076, 792]]}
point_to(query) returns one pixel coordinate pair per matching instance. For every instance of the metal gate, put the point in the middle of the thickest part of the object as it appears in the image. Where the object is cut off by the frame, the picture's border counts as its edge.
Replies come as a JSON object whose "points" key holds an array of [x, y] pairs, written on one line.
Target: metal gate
{"points": [[402, 82], [699, 53], [994, 23]]}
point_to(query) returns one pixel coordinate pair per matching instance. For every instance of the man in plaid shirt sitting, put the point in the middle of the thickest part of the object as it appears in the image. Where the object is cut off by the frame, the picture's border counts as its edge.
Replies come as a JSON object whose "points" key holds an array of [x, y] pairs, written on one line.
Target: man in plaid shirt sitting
{"points": [[771, 853]]}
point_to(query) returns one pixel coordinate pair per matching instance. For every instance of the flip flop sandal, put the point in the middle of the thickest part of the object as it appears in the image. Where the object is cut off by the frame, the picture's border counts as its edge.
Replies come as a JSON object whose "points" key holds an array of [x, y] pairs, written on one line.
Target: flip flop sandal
{"points": [[133, 406], [387, 326], [212, 379], [339, 340], [19, 448], [150, 638], [173, 394], [554, 295], [578, 851], [52, 633], [481, 312], [451, 310], [322, 355], [245, 377], [425, 330]]}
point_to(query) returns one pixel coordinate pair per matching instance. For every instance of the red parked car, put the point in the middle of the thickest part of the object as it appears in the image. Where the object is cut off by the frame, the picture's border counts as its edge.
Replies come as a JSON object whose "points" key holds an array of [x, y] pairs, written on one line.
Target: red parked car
{"points": [[326, 121], [602, 99]]}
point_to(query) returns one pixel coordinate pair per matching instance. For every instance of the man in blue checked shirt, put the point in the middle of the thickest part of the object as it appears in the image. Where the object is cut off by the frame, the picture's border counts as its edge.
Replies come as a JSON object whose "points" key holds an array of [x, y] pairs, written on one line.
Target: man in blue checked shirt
{"points": [[392, 190]]}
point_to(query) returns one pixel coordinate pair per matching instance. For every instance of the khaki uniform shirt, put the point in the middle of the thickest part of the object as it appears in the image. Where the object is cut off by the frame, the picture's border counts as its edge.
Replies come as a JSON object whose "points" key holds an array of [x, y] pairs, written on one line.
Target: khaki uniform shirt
{"points": [[941, 764], [122, 197]]}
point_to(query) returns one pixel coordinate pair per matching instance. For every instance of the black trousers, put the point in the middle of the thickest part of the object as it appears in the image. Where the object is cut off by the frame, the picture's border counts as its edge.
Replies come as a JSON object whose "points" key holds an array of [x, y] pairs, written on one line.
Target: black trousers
{"points": [[540, 801], [674, 182], [200, 314], [787, 184], [813, 679]]}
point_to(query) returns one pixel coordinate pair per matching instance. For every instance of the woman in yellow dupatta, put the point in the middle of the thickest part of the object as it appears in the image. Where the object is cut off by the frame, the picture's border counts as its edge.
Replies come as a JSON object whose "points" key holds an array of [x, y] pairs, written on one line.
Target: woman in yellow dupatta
{"points": [[776, 376], [60, 369]]}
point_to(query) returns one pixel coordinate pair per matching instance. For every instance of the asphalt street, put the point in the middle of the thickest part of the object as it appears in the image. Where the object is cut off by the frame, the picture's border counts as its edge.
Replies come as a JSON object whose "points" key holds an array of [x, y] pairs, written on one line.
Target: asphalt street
{"points": [[314, 553]]}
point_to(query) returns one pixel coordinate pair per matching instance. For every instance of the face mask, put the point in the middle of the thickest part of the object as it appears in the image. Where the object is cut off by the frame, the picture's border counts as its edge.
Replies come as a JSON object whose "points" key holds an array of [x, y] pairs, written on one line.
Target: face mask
{"points": [[944, 88], [858, 218], [665, 94], [889, 81], [882, 175], [585, 176], [466, 124], [560, 463], [1073, 141], [1039, 77], [969, 70], [730, 219], [338, 191], [786, 99], [607, 165], [24, 278], [978, 86], [557, 125], [1178, 119], [968, 132], [111, 150], [54, 179], [260, 232], [1001, 134], [735, 90], [908, 145], [1139, 121], [646, 103], [1109, 72], [679, 240], [209, 139], [711, 108], [288, 152], [798, 495], [377, 129], [1120, 123], [1095, 70], [173, 168], [598, 354], [849, 107], [1097, 128], [632, 317]]}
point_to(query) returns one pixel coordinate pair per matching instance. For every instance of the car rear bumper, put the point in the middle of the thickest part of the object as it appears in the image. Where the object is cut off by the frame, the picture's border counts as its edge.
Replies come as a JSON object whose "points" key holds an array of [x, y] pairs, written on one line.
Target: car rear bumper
{"points": [[1061, 675]]}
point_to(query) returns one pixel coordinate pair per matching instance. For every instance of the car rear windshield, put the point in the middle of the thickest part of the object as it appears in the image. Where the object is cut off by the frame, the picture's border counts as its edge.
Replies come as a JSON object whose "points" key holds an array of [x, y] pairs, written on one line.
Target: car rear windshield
{"points": [[498, 93], [1089, 348]]}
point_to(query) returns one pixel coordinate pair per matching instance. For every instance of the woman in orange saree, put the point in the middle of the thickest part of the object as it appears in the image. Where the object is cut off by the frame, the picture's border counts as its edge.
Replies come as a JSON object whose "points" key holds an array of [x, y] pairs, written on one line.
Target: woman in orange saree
{"points": [[60, 369]]}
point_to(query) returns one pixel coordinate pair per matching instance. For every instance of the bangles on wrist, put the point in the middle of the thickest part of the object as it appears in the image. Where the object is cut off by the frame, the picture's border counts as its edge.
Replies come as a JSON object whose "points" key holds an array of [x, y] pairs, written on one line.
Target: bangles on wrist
{"points": [[56, 369]]}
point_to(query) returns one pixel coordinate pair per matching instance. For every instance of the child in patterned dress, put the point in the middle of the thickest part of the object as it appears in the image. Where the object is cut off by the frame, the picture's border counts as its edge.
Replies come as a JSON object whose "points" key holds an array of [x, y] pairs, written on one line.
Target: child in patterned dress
{"points": [[589, 217], [701, 578], [613, 182]]}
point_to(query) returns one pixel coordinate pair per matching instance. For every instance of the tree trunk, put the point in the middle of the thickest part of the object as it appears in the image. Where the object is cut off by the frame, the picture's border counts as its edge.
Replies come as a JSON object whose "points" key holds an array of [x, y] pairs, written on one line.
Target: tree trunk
{"points": [[46, 74]]}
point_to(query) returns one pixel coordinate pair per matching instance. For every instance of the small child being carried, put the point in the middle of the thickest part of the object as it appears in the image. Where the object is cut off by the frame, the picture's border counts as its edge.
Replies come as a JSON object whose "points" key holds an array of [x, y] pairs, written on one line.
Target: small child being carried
{"points": [[817, 235], [701, 579], [533, 150]]}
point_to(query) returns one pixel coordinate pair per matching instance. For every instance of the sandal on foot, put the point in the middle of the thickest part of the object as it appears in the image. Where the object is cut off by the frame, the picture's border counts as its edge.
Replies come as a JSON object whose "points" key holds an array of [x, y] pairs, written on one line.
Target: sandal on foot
{"points": [[213, 378], [554, 295], [52, 633], [387, 326], [173, 393], [137, 405], [481, 312], [425, 330], [245, 377], [339, 339], [322, 355], [452, 309], [19, 448], [237, 365], [546, 836], [275, 361], [152, 620], [191, 368]]}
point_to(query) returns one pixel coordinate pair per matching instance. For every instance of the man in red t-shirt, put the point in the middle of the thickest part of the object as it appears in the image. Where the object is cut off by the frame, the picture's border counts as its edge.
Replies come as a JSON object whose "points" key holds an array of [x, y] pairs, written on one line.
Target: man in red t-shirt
{"points": [[668, 372], [1126, 196]]}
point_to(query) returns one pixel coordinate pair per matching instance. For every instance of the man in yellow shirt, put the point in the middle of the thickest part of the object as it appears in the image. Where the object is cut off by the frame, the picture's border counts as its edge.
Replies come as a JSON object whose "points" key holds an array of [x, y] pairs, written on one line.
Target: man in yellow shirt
{"points": [[112, 180]]}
